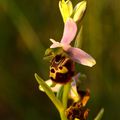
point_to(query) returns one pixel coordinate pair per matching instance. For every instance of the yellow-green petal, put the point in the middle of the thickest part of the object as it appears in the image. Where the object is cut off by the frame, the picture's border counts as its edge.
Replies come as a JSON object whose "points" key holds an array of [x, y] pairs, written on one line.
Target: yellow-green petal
{"points": [[79, 11], [66, 9]]}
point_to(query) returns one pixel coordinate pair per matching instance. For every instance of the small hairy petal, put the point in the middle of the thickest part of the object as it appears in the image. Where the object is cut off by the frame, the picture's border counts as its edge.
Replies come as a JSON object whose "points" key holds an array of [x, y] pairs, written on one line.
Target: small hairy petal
{"points": [[54, 88], [70, 30], [76, 77], [81, 57], [48, 82], [73, 91], [55, 44]]}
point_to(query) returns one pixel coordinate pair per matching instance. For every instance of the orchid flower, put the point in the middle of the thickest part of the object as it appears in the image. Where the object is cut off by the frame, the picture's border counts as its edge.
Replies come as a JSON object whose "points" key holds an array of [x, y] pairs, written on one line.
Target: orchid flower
{"points": [[76, 54], [73, 93]]}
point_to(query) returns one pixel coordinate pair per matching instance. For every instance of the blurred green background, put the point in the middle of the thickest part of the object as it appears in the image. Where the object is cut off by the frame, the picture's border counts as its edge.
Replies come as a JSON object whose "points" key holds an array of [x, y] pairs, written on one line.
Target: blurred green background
{"points": [[25, 29]]}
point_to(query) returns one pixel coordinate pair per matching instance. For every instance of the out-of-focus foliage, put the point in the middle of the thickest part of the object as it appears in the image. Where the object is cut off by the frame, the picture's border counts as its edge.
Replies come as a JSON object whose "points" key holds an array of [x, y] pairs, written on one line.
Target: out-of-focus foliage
{"points": [[25, 29]]}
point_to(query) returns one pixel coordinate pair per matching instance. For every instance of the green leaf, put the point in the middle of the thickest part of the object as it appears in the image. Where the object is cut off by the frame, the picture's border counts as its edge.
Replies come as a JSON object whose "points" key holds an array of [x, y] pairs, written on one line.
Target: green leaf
{"points": [[49, 92], [99, 115], [66, 90]]}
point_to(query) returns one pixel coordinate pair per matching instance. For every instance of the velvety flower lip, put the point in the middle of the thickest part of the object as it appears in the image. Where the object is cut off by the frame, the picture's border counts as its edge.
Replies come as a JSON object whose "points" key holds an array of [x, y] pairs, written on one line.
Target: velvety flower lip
{"points": [[75, 54]]}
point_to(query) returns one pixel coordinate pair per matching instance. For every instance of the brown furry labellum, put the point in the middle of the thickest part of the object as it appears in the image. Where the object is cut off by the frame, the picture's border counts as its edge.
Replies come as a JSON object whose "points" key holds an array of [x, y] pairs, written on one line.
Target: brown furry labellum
{"points": [[78, 109], [61, 69]]}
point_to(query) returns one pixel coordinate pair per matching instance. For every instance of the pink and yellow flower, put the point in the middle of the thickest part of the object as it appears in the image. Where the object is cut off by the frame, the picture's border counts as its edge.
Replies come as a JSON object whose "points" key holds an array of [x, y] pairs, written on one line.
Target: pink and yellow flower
{"points": [[76, 54]]}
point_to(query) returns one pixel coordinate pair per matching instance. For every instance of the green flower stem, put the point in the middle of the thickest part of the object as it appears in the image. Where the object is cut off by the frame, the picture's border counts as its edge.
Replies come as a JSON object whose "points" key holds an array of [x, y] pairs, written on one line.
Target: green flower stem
{"points": [[62, 115], [60, 93], [50, 94], [66, 90], [65, 94]]}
